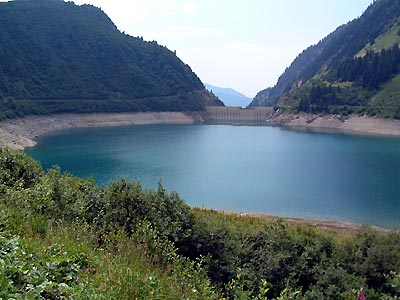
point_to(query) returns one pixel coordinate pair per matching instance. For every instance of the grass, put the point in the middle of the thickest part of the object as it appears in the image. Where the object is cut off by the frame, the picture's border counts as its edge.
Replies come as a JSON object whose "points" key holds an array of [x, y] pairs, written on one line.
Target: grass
{"points": [[384, 41], [388, 99], [120, 269], [240, 225]]}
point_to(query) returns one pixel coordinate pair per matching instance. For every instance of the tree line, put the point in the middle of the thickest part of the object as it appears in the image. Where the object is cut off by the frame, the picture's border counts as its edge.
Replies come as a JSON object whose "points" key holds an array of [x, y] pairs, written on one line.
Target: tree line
{"points": [[372, 69]]}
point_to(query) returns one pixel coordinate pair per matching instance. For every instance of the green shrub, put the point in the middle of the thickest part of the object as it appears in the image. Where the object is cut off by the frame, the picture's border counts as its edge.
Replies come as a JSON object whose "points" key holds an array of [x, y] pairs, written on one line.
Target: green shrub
{"points": [[17, 170], [128, 205], [243, 256]]}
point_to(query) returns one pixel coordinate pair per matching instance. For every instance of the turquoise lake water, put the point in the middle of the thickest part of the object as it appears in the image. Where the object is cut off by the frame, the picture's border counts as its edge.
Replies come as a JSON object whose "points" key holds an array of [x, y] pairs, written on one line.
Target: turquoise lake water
{"points": [[242, 169]]}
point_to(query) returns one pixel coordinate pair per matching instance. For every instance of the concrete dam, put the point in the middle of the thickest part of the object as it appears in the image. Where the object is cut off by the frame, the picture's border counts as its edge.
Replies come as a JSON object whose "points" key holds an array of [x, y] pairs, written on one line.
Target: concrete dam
{"points": [[238, 115]]}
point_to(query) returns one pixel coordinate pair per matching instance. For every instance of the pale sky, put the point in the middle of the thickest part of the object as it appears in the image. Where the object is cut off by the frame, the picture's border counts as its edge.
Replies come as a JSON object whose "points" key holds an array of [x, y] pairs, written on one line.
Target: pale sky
{"points": [[244, 45]]}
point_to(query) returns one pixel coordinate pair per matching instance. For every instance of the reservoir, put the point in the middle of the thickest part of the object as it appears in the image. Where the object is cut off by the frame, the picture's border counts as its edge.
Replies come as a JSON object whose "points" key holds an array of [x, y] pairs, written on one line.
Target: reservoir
{"points": [[244, 169]]}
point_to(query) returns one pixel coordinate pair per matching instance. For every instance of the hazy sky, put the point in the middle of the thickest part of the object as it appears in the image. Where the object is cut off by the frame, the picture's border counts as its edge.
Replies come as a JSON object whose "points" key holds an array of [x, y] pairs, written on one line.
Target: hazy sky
{"points": [[240, 44]]}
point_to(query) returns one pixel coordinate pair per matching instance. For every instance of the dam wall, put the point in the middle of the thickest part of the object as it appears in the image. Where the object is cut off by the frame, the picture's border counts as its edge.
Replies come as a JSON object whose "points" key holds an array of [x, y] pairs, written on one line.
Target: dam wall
{"points": [[238, 115]]}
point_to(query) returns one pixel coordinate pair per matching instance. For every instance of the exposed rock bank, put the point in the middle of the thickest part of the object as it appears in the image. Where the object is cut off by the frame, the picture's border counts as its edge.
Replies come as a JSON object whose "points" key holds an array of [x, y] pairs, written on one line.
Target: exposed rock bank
{"points": [[20, 133], [352, 123]]}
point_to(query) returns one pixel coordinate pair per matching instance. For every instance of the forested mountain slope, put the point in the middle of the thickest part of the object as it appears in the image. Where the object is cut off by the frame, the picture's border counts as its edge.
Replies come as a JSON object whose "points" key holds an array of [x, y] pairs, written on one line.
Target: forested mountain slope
{"points": [[352, 70], [56, 56]]}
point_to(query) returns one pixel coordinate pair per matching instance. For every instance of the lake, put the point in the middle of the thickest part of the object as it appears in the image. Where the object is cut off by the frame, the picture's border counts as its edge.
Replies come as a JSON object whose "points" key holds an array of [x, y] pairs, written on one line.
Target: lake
{"points": [[242, 168]]}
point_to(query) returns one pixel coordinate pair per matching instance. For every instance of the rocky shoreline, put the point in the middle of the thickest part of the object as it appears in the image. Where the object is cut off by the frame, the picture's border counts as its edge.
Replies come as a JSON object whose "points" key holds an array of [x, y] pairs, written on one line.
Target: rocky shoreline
{"points": [[337, 123], [21, 133]]}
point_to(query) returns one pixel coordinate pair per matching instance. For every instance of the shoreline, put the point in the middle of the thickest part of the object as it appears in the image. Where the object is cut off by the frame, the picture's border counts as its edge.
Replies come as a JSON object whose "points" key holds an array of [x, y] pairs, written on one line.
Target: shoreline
{"points": [[21, 133], [324, 224], [352, 124], [332, 225]]}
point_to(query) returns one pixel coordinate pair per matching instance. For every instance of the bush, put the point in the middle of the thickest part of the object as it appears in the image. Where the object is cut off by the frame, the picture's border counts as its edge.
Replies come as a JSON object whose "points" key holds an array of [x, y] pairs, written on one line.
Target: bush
{"points": [[128, 204], [17, 170], [242, 255]]}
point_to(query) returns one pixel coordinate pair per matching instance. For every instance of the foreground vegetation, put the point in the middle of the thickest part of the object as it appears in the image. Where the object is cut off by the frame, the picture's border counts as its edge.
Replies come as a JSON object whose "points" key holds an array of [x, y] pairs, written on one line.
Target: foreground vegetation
{"points": [[63, 237]]}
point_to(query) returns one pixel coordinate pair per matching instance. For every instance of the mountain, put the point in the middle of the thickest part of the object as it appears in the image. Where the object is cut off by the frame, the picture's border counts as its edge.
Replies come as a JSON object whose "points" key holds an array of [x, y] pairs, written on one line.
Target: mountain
{"points": [[56, 57], [355, 69], [229, 96]]}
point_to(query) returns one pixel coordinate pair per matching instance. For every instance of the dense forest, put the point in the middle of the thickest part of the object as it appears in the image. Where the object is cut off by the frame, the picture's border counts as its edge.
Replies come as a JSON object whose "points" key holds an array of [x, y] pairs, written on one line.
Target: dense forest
{"points": [[57, 57], [370, 70], [359, 61], [63, 237]]}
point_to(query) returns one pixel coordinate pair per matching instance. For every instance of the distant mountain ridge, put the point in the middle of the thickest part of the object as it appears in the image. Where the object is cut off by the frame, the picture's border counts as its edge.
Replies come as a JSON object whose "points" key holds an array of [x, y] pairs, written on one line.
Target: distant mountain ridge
{"points": [[355, 69], [57, 57], [229, 96]]}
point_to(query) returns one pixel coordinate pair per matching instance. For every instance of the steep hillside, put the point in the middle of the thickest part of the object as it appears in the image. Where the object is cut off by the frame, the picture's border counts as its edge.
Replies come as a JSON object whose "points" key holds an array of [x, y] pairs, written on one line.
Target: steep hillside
{"points": [[56, 56], [349, 71], [229, 96]]}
